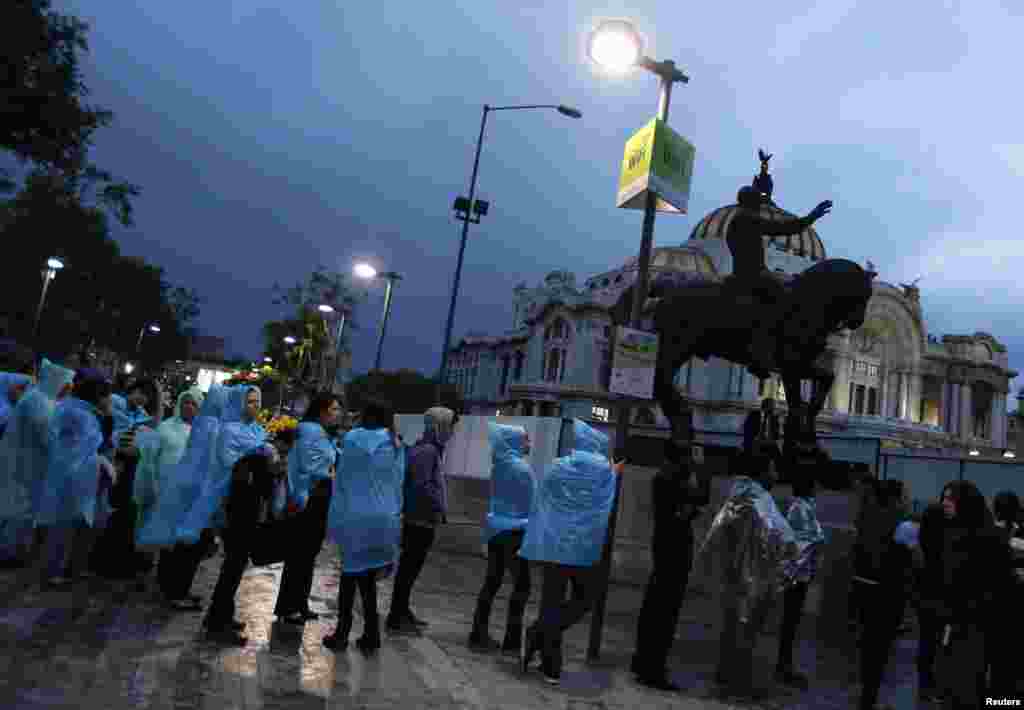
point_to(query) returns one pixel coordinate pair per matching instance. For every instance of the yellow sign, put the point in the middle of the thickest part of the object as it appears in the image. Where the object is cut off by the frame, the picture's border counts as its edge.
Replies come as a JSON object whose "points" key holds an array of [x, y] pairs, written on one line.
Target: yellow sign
{"points": [[659, 160]]}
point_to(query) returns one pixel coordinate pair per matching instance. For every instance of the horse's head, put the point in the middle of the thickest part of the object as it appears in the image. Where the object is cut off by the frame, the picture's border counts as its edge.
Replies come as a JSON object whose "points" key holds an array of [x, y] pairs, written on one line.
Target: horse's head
{"points": [[842, 289]]}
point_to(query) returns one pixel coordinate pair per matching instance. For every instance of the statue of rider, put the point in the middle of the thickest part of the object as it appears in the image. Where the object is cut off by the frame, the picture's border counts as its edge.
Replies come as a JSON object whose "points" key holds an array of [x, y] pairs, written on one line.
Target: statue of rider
{"points": [[750, 272]]}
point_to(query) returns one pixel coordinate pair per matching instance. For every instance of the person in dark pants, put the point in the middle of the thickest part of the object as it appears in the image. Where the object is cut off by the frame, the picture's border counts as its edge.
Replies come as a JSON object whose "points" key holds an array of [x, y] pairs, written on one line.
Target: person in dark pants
{"points": [[425, 506], [803, 518], [931, 608], [512, 489], [566, 533], [677, 498], [311, 465]]}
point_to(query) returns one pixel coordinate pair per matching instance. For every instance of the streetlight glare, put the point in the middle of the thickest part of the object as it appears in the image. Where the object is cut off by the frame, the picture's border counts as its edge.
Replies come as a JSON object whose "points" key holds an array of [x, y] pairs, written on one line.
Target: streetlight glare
{"points": [[615, 46], [267, 359], [54, 263], [289, 340], [324, 308], [569, 111], [365, 271], [154, 329]]}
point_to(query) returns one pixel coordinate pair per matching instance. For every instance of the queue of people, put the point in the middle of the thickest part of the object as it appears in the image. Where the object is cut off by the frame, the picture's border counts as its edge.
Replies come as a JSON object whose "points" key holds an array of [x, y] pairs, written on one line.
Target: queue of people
{"points": [[87, 474]]}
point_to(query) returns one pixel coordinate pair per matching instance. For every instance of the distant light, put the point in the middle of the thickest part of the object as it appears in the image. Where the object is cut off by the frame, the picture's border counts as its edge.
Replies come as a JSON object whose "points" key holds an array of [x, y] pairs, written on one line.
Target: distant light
{"points": [[973, 452], [54, 263], [128, 368], [267, 359], [365, 271], [154, 329], [188, 378], [1009, 454], [615, 46], [289, 340], [324, 308]]}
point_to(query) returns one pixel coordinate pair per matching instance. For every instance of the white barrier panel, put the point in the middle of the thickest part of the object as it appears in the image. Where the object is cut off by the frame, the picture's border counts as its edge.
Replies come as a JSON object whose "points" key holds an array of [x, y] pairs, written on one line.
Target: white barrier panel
{"points": [[468, 454]]}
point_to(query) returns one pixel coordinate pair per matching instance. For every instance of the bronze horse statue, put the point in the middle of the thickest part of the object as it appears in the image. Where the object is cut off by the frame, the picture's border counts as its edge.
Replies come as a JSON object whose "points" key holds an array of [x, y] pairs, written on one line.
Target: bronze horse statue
{"points": [[705, 318]]}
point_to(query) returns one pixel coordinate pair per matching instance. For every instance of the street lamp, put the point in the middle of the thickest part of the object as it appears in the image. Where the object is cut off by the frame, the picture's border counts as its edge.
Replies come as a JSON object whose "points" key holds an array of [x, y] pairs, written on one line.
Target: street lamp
{"points": [[1009, 454], [465, 209], [326, 309], [617, 47], [53, 265], [151, 328], [973, 452], [366, 271]]}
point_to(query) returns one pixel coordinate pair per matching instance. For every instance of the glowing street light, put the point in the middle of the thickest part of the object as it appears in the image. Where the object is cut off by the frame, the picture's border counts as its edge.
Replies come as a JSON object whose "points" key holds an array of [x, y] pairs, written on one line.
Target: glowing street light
{"points": [[267, 359], [616, 46], [368, 272], [324, 308], [152, 328], [289, 340], [53, 265], [973, 452], [1009, 454], [365, 271]]}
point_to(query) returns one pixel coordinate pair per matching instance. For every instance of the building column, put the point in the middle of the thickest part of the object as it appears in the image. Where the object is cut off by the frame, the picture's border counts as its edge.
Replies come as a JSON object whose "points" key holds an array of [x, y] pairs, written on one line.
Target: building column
{"points": [[943, 396], [914, 396], [953, 410], [966, 420], [998, 426], [841, 385], [883, 391]]}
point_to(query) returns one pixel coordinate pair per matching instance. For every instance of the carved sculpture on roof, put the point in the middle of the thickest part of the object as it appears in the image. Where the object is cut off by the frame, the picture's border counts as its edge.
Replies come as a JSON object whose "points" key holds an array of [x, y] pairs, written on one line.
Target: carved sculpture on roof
{"points": [[763, 182], [911, 291]]}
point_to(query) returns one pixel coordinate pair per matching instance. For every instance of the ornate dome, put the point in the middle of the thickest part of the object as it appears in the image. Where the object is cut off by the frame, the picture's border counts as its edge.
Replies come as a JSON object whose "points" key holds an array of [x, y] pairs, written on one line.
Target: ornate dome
{"points": [[806, 244]]}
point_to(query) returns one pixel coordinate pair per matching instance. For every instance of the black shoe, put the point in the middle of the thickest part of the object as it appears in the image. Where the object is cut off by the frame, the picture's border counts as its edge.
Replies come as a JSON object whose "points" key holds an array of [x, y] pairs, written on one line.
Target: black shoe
{"points": [[295, 618], [658, 682], [551, 676], [482, 643], [788, 676], [513, 642], [530, 649], [416, 620], [368, 646], [335, 642], [309, 615]]}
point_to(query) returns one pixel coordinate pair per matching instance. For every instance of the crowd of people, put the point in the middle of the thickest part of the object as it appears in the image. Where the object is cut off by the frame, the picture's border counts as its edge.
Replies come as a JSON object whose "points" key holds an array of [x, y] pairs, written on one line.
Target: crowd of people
{"points": [[92, 483]]}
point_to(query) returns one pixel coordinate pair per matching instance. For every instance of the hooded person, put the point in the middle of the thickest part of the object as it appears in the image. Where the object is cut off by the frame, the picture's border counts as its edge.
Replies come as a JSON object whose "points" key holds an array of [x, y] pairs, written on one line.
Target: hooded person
{"points": [[179, 486], [231, 501], [424, 507], [755, 550], [12, 386], [566, 533], [24, 456], [311, 468], [68, 504], [365, 519], [512, 491]]}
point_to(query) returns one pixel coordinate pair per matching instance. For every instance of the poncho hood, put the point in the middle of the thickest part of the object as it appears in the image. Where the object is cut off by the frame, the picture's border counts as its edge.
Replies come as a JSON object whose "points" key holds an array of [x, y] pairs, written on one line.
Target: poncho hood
{"points": [[235, 406], [53, 378], [506, 441], [193, 393], [588, 439]]}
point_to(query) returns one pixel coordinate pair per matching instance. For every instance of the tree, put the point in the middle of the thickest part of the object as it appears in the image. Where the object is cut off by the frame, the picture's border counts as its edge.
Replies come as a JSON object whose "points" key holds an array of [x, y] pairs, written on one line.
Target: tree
{"points": [[409, 391]]}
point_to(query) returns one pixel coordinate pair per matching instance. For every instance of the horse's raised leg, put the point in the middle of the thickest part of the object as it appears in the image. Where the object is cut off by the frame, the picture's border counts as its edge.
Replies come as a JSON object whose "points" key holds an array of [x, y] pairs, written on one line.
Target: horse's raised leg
{"points": [[671, 357], [796, 423]]}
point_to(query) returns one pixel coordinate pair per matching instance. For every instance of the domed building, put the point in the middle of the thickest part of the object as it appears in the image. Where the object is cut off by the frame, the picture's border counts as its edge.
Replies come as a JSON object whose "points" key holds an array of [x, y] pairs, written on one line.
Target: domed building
{"points": [[894, 381]]}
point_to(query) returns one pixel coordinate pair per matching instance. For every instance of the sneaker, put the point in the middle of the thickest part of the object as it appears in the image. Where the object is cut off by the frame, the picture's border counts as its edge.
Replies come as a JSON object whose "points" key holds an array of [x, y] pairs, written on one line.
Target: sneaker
{"points": [[551, 677], [531, 648], [335, 642], [309, 615], [416, 620]]}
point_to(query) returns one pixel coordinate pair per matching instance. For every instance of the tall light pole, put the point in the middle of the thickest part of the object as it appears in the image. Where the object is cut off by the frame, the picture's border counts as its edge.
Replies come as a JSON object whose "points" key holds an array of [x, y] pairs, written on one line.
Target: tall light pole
{"points": [[53, 265], [368, 272], [289, 341], [466, 208], [617, 47], [151, 328]]}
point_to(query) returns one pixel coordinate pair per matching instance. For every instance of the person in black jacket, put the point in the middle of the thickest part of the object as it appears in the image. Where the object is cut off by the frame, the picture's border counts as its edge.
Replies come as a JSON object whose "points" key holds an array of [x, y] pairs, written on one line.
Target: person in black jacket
{"points": [[929, 600], [678, 496], [1007, 629]]}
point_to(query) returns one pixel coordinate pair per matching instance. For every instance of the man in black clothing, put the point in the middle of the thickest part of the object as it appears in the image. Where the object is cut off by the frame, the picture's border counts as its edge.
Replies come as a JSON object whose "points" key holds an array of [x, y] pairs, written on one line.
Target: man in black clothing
{"points": [[677, 498], [750, 272]]}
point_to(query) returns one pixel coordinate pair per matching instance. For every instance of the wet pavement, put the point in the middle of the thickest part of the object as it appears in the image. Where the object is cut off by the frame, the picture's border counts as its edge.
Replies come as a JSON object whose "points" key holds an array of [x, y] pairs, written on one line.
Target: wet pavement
{"points": [[101, 644]]}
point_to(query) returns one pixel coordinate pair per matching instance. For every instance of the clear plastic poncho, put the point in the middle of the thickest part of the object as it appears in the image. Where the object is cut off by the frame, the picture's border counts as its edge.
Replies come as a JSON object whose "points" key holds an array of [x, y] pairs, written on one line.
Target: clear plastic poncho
{"points": [[512, 484], [159, 452], [366, 508], [235, 440], [309, 460], [72, 473], [7, 381], [181, 483], [569, 518], [125, 417], [802, 516], [25, 449], [753, 545]]}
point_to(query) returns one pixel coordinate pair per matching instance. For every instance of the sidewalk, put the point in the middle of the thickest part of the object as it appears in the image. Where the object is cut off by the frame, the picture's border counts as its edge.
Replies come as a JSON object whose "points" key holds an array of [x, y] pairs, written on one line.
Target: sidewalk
{"points": [[104, 645]]}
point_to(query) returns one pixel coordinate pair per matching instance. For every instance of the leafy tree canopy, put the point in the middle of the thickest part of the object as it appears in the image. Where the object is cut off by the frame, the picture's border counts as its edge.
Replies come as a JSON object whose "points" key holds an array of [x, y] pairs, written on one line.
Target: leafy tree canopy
{"points": [[410, 391]]}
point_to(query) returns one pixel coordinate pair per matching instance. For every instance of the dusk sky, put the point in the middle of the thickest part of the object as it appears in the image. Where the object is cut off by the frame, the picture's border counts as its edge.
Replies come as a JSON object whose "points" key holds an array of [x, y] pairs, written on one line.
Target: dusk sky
{"points": [[269, 137]]}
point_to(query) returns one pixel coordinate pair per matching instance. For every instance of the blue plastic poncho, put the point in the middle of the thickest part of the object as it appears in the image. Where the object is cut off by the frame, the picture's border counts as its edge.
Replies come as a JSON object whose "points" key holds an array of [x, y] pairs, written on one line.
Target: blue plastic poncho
{"points": [[159, 452], [366, 508], [24, 452], [126, 417], [309, 460], [72, 474], [181, 483], [235, 440], [802, 516], [512, 484], [569, 519], [9, 380]]}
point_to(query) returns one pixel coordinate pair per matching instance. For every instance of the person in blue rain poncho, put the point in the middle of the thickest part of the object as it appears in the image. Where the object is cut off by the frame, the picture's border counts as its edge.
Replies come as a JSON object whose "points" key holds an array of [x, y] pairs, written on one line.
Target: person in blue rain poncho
{"points": [[755, 550], [311, 469], [231, 501], [365, 519], [24, 455], [565, 534], [68, 505], [180, 485], [12, 386], [512, 490]]}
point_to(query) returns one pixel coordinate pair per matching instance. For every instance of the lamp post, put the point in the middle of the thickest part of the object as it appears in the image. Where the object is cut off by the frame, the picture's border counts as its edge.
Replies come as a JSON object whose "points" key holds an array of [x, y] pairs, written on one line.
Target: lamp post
{"points": [[465, 208], [343, 314], [53, 265], [617, 47], [289, 341], [142, 333], [368, 272]]}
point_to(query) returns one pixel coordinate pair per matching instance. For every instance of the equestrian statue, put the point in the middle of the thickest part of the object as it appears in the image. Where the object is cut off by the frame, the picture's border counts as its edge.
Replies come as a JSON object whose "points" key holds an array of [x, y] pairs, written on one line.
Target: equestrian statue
{"points": [[758, 318]]}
